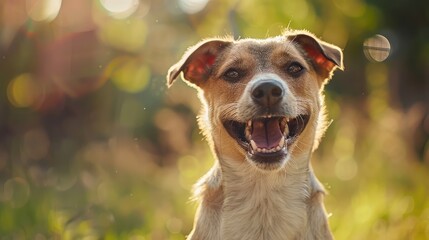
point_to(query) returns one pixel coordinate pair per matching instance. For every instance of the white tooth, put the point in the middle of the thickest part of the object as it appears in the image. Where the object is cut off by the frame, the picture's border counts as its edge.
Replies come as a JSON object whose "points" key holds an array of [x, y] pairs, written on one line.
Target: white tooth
{"points": [[278, 148], [249, 123], [286, 131], [282, 143], [253, 145], [259, 150], [264, 150], [269, 116], [248, 135]]}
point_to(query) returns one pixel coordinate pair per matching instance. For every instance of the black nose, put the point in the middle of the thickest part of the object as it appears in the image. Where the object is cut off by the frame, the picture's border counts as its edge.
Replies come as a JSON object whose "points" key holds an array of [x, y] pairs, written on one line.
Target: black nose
{"points": [[268, 93]]}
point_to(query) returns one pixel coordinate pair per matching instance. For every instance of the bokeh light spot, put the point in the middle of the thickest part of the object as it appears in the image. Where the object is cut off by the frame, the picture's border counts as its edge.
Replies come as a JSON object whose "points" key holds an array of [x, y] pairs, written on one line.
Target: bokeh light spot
{"points": [[376, 48], [351, 8], [65, 182], [43, 10], [23, 91], [188, 166], [16, 192], [129, 74], [346, 169], [298, 10], [192, 6], [129, 35], [120, 8], [174, 225], [137, 237]]}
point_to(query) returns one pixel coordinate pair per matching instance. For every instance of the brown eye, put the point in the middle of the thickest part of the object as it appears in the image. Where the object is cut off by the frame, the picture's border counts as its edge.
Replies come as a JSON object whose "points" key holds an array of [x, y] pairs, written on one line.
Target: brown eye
{"points": [[295, 69], [233, 75]]}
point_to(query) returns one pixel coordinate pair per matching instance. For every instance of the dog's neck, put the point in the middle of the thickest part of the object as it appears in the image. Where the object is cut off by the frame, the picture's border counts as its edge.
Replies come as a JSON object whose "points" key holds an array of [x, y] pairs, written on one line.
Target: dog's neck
{"points": [[274, 202]]}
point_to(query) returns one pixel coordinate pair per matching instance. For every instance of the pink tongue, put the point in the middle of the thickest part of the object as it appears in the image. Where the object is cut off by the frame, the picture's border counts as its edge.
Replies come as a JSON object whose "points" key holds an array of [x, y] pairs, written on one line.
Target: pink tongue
{"points": [[266, 133]]}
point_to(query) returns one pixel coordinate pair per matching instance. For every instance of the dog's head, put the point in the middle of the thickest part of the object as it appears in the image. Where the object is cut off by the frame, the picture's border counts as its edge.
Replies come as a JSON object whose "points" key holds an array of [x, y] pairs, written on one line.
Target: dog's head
{"points": [[262, 98]]}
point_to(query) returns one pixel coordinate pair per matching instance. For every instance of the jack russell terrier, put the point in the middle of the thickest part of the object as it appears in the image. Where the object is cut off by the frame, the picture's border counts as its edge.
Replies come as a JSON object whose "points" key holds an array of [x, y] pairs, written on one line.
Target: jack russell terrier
{"points": [[263, 116]]}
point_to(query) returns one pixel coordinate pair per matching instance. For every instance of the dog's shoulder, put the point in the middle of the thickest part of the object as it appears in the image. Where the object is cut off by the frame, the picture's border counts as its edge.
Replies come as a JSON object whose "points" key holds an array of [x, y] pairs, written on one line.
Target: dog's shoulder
{"points": [[208, 189], [316, 188], [318, 224]]}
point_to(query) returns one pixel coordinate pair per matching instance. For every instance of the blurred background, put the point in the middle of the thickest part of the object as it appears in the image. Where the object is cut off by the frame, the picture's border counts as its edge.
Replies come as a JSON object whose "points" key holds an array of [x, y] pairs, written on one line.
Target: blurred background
{"points": [[93, 146]]}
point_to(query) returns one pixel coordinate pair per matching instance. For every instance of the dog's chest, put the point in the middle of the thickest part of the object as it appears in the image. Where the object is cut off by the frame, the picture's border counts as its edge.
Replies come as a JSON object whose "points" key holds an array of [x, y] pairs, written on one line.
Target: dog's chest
{"points": [[264, 210]]}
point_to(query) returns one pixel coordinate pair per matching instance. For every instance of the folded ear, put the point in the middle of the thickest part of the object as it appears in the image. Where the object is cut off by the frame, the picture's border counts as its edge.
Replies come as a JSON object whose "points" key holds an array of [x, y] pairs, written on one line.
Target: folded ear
{"points": [[324, 56], [197, 62]]}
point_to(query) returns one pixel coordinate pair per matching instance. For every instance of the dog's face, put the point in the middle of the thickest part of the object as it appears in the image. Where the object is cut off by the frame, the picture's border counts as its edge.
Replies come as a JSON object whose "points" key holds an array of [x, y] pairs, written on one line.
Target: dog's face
{"points": [[262, 98]]}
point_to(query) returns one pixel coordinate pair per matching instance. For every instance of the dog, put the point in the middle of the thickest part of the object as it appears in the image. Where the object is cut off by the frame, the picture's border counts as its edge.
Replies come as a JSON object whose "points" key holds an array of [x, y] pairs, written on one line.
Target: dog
{"points": [[263, 115]]}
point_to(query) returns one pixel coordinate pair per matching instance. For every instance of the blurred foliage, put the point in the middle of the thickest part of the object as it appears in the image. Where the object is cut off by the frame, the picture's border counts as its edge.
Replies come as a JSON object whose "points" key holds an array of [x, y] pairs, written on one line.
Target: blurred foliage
{"points": [[92, 146]]}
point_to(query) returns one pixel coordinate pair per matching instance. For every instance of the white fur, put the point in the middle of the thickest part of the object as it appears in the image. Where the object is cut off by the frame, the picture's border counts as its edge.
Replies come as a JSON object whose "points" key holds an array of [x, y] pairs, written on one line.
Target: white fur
{"points": [[260, 205]]}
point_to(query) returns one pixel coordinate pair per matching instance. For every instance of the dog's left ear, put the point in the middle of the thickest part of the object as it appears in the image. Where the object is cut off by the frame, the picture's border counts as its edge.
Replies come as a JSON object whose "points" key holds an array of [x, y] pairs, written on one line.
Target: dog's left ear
{"points": [[197, 62], [325, 57]]}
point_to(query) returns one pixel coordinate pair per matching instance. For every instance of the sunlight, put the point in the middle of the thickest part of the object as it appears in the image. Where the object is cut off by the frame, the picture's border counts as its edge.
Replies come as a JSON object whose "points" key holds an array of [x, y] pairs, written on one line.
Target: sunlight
{"points": [[346, 169], [129, 74], [43, 10], [23, 91], [95, 145], [377, 48], [192, 6], [126, 34], [120, 8]]}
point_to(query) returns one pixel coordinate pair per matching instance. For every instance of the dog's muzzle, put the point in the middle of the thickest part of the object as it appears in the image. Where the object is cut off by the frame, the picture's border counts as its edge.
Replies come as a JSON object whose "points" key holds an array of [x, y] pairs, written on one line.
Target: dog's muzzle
{"points": [[270, 130]]}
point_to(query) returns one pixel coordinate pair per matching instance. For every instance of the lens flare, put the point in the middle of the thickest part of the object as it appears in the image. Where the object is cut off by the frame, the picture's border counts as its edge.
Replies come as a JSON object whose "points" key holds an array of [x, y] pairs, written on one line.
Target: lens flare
{"points": [[192, 6], [43, 10], [23, 91], [120, 8], [16, 192], [129, 35], [376, 48], [128, 74]]}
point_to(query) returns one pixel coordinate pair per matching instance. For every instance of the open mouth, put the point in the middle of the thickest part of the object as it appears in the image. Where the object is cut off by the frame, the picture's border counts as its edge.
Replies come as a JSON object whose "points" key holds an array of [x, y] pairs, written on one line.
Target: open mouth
{"points": [[267, 139]]}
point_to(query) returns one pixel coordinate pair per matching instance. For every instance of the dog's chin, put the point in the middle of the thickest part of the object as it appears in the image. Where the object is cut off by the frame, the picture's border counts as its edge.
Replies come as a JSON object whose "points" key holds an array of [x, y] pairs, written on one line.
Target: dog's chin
{"points": [[267, 140], [268, 161]]}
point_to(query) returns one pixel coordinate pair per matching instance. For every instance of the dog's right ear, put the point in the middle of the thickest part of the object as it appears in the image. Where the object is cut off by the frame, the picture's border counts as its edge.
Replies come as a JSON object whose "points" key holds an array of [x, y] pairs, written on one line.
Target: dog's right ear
{"points": [[197, 62]]}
